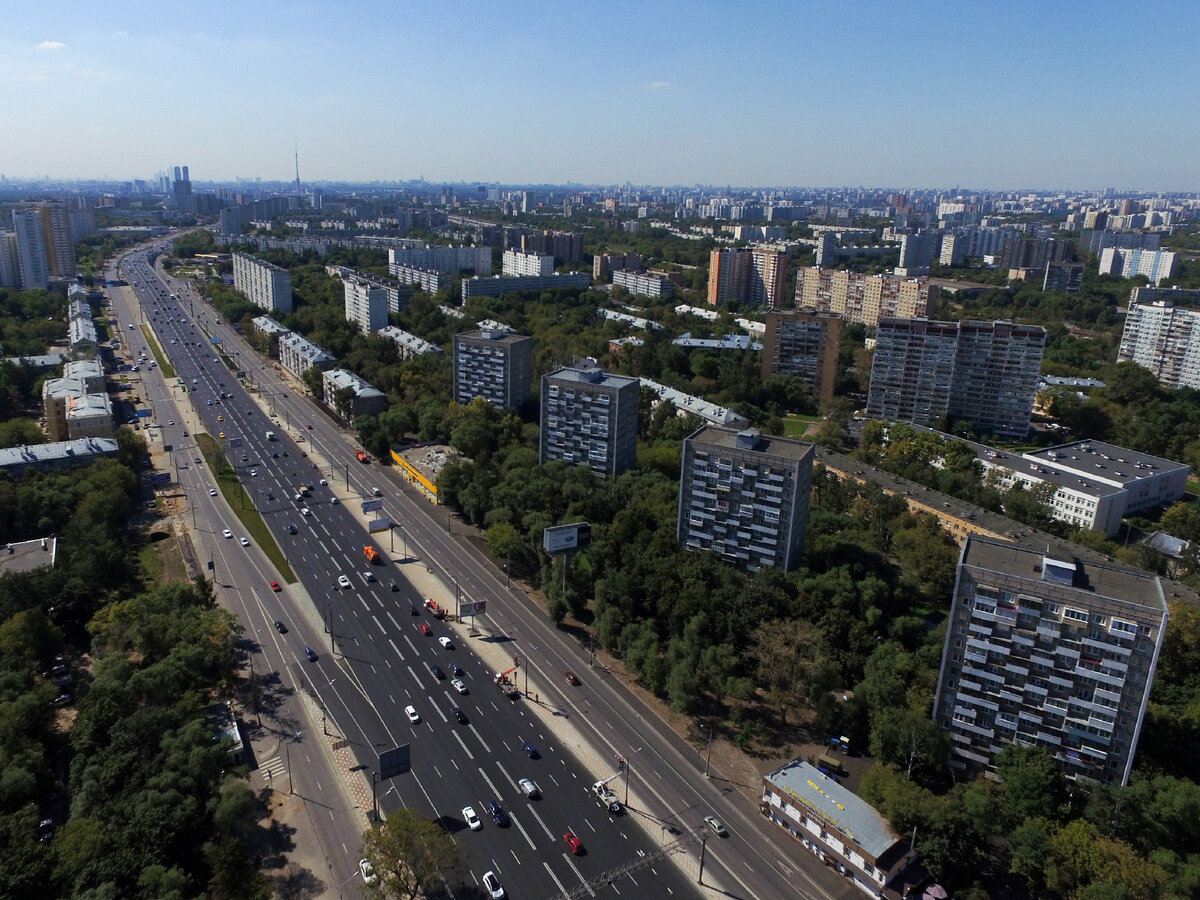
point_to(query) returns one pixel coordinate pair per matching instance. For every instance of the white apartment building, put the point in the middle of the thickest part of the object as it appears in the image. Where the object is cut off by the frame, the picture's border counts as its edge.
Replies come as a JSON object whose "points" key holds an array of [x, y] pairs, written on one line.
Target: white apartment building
{"points": [[265, 285], [408, 344], [643, 283], [1163, 338], [298, 354], [517, 262], [446, 260], [1157, 265], [366, 304]]}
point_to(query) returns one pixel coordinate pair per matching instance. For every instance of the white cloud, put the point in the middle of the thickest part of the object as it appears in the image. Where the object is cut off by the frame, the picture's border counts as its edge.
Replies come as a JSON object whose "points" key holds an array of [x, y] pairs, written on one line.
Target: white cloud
{"points": [[658, 85], [52, 45]]}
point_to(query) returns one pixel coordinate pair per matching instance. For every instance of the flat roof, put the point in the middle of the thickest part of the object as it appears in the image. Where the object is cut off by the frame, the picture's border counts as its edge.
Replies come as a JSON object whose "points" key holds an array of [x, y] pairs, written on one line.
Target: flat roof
{"points": [[1106, 462], [1120, 584], [770, 445], [848, 812], [80, 448], [588, 377]]}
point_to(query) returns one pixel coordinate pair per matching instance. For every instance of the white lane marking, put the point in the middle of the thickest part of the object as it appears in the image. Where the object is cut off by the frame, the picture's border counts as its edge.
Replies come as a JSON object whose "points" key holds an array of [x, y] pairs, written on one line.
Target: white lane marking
{"points": [[521, 828], [545, 828], [323, 547], [578, 874], [397, 649], [550, 872], [495, 793], [414, 675], [379, 625], [458, 737], [486, 748]]}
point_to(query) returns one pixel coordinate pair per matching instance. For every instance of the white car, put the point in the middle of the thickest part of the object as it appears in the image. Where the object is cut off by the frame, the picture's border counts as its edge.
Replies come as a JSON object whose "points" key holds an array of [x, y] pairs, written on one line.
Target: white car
{"points": [[492, 884], [254, 473], [305, 511], [528, 788], [212, 492], [227, 533], [368, 577], [245, 542], [368, 871], [446, 642], [333, 500], [471, 819], [343, 581], [458, 685], [413, 715], [323, 481]]}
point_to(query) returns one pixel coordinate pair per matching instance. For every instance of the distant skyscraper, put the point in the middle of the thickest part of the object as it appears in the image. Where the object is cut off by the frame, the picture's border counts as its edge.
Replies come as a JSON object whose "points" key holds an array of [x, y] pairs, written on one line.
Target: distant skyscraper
{"points": [[56, 234]]}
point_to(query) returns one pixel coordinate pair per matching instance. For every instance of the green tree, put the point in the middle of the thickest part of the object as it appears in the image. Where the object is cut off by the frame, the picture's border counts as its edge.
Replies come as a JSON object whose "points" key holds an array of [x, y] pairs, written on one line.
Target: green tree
{"points": [[786, 653], [411, 855]]}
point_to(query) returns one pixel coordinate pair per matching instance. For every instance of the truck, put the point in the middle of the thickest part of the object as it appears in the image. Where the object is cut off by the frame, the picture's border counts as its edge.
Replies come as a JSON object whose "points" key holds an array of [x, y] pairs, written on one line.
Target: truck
{"points": [[362, 457], [505, 684], [270, 436], [438, 611], [372, 555]]}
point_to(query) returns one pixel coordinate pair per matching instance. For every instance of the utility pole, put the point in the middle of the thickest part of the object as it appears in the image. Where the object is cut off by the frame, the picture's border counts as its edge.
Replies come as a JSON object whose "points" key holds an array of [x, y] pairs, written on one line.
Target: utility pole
{"points": [[703, 847], [708, 757]]}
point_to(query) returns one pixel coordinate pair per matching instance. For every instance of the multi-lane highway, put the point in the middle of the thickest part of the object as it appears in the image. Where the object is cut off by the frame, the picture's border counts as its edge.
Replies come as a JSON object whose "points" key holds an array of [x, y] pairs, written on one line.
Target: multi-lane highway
{"points": [[381, 659]]}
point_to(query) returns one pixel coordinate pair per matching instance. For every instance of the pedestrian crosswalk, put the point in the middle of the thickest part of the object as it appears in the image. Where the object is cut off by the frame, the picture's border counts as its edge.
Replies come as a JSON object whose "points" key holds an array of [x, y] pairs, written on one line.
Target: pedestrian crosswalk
{"points": [[272, 768]]}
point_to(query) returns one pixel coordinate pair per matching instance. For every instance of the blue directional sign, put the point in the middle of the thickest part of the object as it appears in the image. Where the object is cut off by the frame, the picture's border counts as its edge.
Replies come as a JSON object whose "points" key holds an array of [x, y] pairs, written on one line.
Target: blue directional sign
{"points": [[160, 478], [143, 414], [377, 525], [372, 505]]}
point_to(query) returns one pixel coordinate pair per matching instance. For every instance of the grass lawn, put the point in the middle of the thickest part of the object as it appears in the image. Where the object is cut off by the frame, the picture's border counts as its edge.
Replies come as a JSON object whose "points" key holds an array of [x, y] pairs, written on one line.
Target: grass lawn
{"points": [[794, 426], [243, 505], [167, 370]]}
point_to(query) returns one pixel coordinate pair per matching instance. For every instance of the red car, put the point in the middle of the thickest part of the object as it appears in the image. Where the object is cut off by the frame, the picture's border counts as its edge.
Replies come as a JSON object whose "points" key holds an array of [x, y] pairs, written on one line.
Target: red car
{"points": [[425, 629], [275, 587], [573, 842], [571, 677]]}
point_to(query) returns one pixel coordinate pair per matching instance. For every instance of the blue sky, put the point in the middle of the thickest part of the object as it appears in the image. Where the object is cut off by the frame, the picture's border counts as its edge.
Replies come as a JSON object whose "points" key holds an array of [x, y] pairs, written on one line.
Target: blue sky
{"points": [[898, 94]]}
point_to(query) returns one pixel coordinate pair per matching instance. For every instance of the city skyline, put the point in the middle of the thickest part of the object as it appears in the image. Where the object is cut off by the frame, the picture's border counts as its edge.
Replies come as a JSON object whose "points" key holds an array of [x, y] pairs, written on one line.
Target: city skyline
{"points": [[1026, 96]]}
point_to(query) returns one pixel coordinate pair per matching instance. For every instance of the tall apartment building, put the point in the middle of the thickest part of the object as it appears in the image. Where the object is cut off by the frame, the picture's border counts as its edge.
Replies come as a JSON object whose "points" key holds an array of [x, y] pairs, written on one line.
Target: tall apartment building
{"points": [[493, 363], [564, 246], [1165, 339], [265, 284], [744, 496], [57, 238], [985, 372], [10, 260], [1100, 239], [33, 263], [589, 417], [1048, 652], [916, 253], [1064, 277], [804, 343], [864, 298], [1034, 253], [518, 262], [749, 276], [366, 304], [1157, 265], [604, 264]]}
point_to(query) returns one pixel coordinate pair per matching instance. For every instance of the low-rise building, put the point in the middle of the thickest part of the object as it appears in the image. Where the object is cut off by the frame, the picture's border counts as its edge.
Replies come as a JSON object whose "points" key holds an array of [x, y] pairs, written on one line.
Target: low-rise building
{"points": [[498, 286], [349, 396], [298, 354], [408, 344], [57, 455], [837, 826], [643, 283]]}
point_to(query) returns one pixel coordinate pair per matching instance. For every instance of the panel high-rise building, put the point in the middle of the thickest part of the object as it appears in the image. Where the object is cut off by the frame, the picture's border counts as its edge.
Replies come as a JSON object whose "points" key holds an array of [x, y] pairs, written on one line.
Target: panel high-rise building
{"points": [[863, 298], [265, 284], [518, 262], [33, 264], [984, 372], [55, 219], [804, 343], [366, 304], [589, 417], [748, 276], [1165, 339], [1048, 652], [495, 364], [744, 496], [1157, 265]]}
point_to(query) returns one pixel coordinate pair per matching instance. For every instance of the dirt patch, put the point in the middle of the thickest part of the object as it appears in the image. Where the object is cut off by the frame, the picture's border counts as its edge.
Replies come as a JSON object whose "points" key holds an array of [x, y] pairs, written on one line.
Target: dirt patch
{"points": [[168, 561]]}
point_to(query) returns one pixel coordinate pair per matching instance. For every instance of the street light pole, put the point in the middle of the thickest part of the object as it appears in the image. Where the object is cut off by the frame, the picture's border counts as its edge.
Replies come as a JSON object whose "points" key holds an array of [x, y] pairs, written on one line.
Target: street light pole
{"points": [[708, 757]]}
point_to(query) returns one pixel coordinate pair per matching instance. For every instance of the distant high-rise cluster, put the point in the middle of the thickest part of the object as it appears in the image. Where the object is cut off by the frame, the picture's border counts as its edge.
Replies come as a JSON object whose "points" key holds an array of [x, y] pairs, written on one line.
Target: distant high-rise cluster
{"points": [[40, 247], [863, 298]]}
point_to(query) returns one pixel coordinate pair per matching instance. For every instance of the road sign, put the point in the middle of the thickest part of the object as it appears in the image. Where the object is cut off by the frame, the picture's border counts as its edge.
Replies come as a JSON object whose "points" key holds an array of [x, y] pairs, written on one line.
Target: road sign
{"points": [[160, 478], [395, 762], [372, 505], [377, 525]]}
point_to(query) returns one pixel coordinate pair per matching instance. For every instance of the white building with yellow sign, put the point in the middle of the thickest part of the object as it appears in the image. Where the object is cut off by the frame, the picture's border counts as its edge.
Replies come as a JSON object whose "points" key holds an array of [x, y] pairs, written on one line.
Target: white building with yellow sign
{"points": [[837, 826]]}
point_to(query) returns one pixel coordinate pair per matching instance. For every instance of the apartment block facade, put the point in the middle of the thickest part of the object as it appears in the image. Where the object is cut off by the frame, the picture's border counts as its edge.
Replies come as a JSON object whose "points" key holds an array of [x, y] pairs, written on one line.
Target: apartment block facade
{"points": [[265, 284], [446, 260], [985, 372], [863, 298], [366, 304], [804, 343], [1157, 265], [1165, 339], [749, 276], [744, 496], [493, 363], [498, 286], [589, 417], [517, 262], [1048, 652], [645, 284]]}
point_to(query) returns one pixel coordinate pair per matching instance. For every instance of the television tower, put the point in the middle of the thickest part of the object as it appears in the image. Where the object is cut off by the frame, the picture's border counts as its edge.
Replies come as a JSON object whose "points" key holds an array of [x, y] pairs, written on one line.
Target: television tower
{"points": [[297, 185]]}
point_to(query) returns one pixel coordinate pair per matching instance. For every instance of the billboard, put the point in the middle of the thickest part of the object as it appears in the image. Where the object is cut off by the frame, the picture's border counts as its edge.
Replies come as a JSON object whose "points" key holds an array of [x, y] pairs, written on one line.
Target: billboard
{"points": [[371, 505], [377, 525], [395, 762], [160, 478], [566, 537], [471, 607]]}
